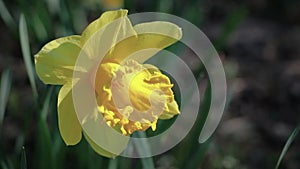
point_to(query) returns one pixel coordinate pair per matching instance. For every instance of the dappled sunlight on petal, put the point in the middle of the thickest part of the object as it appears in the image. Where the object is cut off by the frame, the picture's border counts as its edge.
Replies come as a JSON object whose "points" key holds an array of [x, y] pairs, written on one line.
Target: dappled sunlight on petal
{"points": [[55, 62]]}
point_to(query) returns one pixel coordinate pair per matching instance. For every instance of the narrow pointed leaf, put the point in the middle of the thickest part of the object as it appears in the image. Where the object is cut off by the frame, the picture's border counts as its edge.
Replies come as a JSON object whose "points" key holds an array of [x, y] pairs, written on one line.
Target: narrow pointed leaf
{"points": [[143, 148], [287, 145], [6, 16], [23, 159], [26, 53], [4, 92], [113, 163], [45, 107]]}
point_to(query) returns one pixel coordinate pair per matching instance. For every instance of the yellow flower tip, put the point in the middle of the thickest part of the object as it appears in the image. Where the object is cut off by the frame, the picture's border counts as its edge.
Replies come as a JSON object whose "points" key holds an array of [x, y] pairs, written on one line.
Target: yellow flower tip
{"points": [[124, 132], [115, 13], [153, 126], [105, 19], [109, 123]]}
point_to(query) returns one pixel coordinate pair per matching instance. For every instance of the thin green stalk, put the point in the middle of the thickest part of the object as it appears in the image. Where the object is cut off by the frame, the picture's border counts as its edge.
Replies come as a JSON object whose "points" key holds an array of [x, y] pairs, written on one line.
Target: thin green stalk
{"points": [[143, 148], [26, 54], [4, 92], [113, 163], [3, 165], [287, 145], [6, 16], [197, 158], [191, 142], [23, 159], [45, 150], [45, 107]]}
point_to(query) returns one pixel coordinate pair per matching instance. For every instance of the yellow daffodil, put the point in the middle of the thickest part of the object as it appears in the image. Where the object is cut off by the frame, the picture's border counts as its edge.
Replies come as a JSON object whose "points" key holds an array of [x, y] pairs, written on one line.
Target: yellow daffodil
{"points": [[130, 95]]}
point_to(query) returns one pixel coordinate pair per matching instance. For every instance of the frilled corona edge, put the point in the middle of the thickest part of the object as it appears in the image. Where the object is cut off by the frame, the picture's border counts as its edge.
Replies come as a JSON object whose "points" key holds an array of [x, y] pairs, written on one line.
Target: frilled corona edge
{"points": [[134, 96]]}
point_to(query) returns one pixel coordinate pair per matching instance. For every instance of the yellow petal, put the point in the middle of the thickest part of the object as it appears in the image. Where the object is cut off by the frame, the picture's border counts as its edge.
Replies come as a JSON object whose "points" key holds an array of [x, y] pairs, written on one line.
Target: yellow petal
{"points": [[54, 63], [156, 35], [68, 123], [172, 110], [122, 25], [97, 148]]}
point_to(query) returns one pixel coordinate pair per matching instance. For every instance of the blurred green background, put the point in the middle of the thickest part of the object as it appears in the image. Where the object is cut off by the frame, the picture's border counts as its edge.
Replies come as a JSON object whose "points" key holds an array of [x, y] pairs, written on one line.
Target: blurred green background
{"points": [[258, 42]]}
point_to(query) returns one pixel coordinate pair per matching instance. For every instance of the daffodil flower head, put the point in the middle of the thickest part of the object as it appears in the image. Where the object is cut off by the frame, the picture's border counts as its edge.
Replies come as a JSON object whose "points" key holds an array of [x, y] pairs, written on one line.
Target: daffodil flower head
{"points": [[130, 95]]}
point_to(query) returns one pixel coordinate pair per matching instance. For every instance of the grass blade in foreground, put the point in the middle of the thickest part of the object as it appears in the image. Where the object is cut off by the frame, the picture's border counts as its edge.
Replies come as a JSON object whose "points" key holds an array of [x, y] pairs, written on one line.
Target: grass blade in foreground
{"points": [[4, 92], [287, 145], [45, 108], [26, 53], [143, 148], [23, 159], [44, 142], [113, 163], [3, 165], [6, 16]]}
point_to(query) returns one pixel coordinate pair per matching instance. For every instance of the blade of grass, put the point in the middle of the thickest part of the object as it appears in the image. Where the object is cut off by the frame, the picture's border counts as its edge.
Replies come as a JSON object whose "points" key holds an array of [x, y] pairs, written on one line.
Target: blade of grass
{"points": [[197, 158], [95, 161], [113, 163], [23, 159], [59, 153], [45, 107], [191, 142], [66, 18], [19, 142], [4, 92], [143, 148], [44, 148], [6, 164], [53, 6], [6, 16], [125, 162], [26, 53], [39, 28], [3, 165], [287, 145]]}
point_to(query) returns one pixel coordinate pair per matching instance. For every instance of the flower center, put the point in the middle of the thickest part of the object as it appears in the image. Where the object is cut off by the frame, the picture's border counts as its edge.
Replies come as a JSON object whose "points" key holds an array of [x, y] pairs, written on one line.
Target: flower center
{"points": [[134, 97]]}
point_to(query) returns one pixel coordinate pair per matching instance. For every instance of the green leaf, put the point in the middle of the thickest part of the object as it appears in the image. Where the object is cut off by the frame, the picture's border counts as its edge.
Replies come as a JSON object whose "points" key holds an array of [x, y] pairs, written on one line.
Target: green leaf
{"points": [[6, 16], [198, 156], [4, 92], [39, 28], [45, 107], [3, 165], [23, 159], [113, 163], [190, 143], [287, 145], [44, 146], [26, 53], [143, 148], [125, 162]]}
